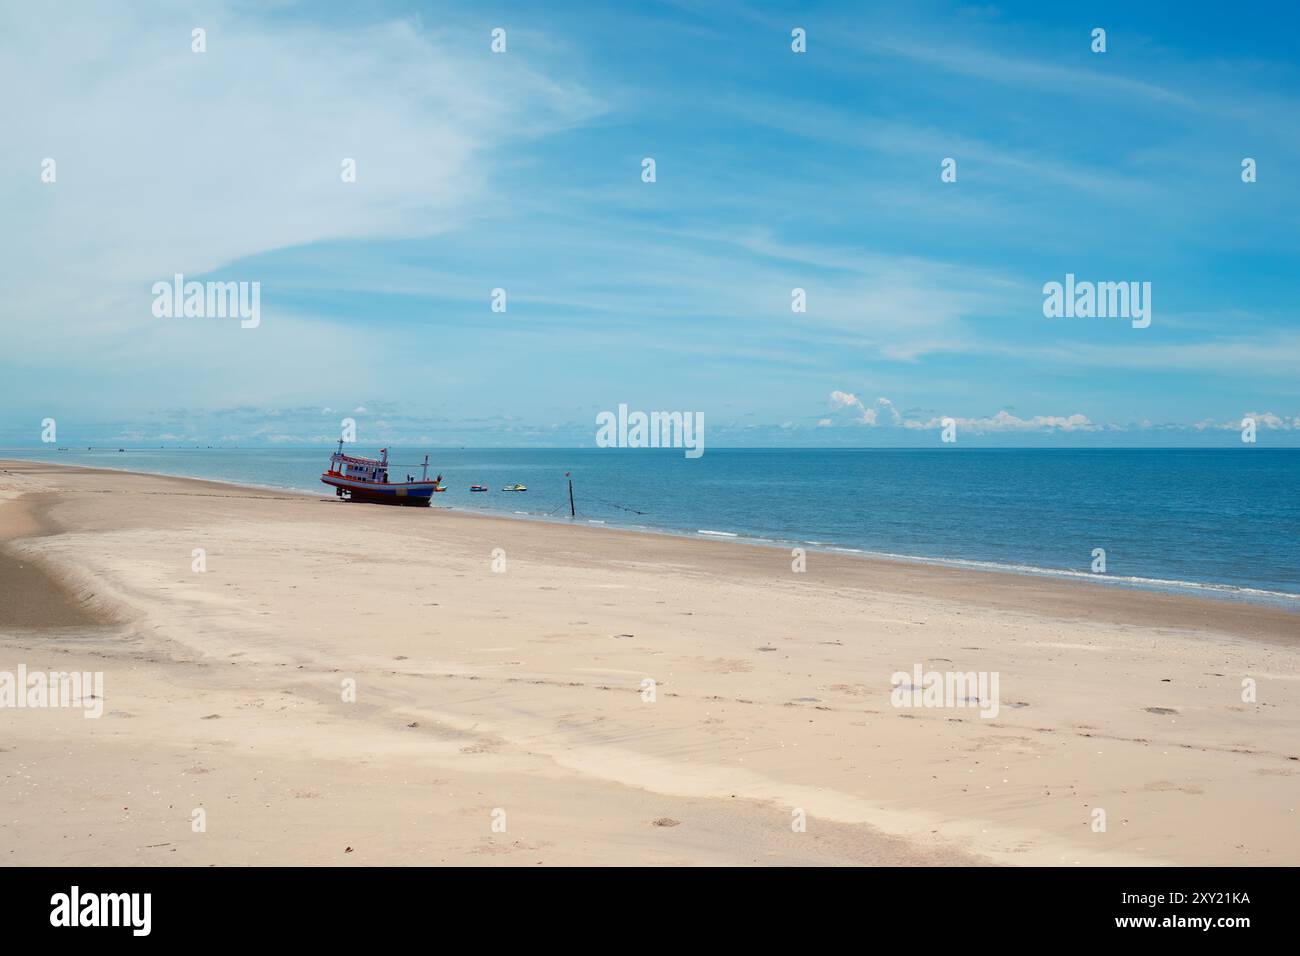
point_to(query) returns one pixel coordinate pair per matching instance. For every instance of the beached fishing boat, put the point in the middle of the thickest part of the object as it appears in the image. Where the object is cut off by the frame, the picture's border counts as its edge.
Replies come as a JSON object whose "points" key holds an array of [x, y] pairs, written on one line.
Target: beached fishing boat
{"points": [[366, 479]]}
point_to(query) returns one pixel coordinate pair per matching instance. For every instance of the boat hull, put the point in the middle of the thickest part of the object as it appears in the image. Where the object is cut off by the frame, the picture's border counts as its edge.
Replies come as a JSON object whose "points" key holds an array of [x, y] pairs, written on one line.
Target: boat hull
{"points": [[416, 494]]}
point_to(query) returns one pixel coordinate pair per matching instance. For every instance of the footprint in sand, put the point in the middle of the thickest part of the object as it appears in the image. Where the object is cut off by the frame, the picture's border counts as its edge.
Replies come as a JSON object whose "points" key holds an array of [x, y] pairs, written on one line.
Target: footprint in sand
{"points": [[1163, 785], [723, 665]]}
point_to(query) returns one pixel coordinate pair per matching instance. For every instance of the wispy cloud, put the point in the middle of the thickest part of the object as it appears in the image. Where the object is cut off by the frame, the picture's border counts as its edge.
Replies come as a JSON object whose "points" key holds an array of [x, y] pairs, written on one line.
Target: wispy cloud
{"points": [[170, 161]]}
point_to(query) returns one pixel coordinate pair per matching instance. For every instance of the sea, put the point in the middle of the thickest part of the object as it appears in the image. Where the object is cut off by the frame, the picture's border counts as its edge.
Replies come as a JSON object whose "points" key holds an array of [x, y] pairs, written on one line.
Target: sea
{"points": [[1216, 522]]}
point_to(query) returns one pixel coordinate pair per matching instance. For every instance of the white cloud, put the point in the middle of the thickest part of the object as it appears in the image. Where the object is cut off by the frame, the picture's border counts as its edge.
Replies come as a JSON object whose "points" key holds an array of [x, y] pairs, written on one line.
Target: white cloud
{"points": [[867, 416], [1269, 420], [1265, 420], [1001, 422], [1004, 421]]}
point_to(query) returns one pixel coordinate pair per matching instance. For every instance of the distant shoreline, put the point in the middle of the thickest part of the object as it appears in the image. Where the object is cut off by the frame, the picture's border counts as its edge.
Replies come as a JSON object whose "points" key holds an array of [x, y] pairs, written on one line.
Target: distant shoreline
{"points": [[1211, 591], [1082, 595]]}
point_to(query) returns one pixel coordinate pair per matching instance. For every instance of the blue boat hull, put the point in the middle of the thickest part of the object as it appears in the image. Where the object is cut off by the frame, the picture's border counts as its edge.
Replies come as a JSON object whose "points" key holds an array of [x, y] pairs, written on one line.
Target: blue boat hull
{"points": [[416, 494]]}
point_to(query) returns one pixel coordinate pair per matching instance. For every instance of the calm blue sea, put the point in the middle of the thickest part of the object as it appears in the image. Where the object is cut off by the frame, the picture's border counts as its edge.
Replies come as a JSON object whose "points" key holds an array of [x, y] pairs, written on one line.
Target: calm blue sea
{"points": [[1218, 521]]}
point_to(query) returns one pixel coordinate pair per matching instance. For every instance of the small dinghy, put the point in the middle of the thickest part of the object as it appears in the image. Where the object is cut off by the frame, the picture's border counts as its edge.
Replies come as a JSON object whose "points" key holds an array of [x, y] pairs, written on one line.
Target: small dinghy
{"points": [[478, 487], [515, 487]]}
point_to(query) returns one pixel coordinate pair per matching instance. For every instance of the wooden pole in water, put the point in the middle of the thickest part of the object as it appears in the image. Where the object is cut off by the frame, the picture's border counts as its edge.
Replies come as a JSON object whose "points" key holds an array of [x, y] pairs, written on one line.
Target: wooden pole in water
{"points": [[573, 513]]}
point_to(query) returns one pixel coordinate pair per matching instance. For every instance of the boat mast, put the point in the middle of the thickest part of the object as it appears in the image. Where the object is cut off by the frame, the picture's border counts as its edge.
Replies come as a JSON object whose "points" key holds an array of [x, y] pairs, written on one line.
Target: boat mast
{"points": [[426, 468]]}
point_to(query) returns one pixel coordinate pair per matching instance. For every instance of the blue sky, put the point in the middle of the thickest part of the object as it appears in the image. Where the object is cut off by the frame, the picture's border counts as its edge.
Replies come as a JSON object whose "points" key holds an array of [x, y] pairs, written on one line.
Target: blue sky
{"points": [[775, 170]]}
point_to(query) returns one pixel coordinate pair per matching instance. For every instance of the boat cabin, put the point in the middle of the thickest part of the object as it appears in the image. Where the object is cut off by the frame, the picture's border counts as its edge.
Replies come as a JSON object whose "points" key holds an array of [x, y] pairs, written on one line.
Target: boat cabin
{"points": [[360, 469]]}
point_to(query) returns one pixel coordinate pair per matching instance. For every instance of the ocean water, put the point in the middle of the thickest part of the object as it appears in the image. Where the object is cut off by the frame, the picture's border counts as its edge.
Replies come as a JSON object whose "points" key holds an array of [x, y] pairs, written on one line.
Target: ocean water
{"points": [[1223, 522]]}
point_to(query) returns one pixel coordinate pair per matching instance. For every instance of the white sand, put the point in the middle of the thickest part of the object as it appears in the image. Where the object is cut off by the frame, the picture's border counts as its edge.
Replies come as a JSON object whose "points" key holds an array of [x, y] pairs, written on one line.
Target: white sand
{"points": [[522, 691]]}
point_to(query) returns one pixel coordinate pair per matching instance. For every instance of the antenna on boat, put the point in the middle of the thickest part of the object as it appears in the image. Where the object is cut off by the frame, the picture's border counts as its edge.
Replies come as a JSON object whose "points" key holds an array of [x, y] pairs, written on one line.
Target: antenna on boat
{"points": [[572, 511]]}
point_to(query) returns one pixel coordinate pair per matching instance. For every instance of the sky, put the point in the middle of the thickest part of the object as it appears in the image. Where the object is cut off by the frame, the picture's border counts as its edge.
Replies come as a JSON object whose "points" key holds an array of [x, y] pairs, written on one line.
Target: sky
{"points": [[774, 170]]}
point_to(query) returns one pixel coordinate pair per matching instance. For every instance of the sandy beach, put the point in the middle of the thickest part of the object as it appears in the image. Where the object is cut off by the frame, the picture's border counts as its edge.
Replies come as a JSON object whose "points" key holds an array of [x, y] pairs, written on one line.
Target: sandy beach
{"points": [[501, 712]]}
